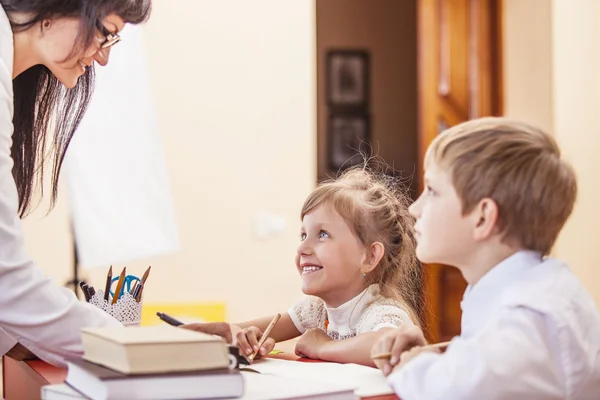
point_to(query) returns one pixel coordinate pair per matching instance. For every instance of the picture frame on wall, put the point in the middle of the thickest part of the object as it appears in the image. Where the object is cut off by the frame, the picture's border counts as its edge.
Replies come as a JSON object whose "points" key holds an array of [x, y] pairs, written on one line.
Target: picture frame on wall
{"points": [[349, 138], [348, 79]]}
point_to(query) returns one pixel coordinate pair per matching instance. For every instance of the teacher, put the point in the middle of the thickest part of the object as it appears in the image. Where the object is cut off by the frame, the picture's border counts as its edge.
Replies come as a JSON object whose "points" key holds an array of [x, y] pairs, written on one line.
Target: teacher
{"points": [[47, 53]]}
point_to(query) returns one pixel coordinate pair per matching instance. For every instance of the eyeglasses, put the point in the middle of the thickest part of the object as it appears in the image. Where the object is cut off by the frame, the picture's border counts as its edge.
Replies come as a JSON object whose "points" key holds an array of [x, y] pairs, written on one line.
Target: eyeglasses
{"points": [[111, 38]]}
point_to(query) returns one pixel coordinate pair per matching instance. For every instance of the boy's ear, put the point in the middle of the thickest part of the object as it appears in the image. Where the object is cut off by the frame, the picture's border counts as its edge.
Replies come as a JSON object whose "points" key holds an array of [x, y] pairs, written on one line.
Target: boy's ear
{"points": [[374, 254], [485, 216]]}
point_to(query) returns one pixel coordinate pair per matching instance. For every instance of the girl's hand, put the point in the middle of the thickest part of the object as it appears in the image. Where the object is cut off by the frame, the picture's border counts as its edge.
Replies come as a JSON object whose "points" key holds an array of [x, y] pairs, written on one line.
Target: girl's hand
{"points": [[311, 343], [396, 342], [247, 341]]}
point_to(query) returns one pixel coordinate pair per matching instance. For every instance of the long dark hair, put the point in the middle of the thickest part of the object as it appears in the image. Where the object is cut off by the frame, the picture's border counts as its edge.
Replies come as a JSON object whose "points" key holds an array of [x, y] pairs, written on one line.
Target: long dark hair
{"points": [[42, 105]]}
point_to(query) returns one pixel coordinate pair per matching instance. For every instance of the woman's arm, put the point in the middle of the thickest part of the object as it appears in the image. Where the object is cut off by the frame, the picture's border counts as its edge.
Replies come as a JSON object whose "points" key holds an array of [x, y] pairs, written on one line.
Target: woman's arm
{"points": [[34, 311]]}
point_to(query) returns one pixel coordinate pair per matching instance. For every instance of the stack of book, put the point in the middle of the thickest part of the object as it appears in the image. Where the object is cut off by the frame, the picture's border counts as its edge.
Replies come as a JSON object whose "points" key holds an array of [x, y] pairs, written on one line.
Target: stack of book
{"points": [[159, 362]]}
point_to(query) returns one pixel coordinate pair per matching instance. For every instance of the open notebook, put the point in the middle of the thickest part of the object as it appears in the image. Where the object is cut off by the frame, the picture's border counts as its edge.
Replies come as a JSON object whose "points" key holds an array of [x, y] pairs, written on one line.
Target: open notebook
{"points": [[366, 381]]}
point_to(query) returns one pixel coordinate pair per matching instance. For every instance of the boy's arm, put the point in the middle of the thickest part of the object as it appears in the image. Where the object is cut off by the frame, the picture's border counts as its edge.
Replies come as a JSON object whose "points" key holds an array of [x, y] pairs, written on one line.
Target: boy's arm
{"points": [[514, 357]]}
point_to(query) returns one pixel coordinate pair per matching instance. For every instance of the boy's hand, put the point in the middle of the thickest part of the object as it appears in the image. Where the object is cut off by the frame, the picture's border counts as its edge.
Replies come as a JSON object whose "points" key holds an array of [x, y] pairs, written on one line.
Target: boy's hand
{"points": [[212, 328], [311, 343], [408, 355], [247, 341], [396, 342]]}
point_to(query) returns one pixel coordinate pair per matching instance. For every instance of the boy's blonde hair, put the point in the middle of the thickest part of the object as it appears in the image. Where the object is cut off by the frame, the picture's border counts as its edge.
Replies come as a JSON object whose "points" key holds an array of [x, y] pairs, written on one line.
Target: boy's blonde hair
{"points": [[516, 165], [376, 210]]}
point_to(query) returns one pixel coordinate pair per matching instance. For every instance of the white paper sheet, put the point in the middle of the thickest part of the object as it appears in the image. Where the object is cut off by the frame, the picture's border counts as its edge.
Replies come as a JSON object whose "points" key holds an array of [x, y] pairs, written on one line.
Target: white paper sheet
{"points": [[366, 381], [266, 386]]}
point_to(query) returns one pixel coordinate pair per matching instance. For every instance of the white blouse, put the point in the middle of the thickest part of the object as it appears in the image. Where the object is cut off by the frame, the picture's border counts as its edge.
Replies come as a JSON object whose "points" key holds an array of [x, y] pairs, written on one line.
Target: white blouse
{"points": [[367, 312], [34, 311], [529, 331]]}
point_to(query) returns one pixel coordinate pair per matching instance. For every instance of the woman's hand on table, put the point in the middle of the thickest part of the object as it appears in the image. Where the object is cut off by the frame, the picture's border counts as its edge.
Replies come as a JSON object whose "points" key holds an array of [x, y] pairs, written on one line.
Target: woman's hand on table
{"points": [[222, 329]]}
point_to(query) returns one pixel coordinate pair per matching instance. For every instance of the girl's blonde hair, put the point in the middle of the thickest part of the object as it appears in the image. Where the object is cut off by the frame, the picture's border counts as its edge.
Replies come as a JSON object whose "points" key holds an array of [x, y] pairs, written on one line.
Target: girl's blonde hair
{"points": [[375, 207]]}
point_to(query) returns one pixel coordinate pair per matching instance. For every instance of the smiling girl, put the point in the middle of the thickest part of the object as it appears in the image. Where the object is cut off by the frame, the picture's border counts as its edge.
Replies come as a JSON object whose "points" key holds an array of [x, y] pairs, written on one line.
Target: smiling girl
{"points": [[359, 272]]}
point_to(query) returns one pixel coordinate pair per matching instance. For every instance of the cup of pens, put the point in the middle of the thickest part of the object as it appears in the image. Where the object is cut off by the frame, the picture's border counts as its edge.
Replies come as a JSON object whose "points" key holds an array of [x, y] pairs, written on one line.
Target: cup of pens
{"points": [[125, 301]]}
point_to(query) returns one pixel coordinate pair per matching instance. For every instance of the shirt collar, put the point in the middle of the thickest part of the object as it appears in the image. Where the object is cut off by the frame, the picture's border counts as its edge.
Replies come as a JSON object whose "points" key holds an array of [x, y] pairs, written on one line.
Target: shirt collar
{"points": [[481, 299], [349, 313]]}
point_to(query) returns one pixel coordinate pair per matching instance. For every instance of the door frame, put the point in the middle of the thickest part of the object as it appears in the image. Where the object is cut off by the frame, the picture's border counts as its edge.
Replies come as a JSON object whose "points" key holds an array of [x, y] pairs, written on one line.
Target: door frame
{"points": [[488, 91]]}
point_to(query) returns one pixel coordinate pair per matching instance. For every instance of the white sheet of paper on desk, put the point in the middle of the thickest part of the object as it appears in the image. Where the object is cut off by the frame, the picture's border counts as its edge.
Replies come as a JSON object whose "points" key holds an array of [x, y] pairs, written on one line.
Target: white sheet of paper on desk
{"points": [[267, 386], [366, 381]]}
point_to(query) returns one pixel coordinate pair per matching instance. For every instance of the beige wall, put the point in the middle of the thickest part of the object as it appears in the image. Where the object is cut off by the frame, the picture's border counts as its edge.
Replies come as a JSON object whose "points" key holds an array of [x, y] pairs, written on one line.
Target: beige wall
{"points": [[387, 30], [234, 84], [552, 59], [527, 64], [576, 82]]}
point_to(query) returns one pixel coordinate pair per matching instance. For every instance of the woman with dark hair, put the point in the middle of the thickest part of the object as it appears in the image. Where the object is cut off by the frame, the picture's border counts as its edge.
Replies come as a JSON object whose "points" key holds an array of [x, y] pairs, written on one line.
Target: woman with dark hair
{"points": [[47, 53]]}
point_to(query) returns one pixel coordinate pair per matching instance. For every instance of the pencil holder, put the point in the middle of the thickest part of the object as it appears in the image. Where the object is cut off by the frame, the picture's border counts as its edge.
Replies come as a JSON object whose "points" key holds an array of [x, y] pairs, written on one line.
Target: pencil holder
{"points": [[127, 309]]}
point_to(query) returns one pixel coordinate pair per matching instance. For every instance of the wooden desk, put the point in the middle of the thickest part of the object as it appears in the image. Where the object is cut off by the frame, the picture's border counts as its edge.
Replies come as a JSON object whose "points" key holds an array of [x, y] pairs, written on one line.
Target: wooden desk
{"points": [[23, 380]]}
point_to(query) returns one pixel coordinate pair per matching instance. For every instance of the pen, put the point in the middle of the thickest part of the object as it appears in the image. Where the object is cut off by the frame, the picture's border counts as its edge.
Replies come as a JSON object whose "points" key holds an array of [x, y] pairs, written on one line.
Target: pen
{"points": [[264, 336], [384, 356], [84, 288], [108, 281], [168, 319], [132, 290], [138, 292]]}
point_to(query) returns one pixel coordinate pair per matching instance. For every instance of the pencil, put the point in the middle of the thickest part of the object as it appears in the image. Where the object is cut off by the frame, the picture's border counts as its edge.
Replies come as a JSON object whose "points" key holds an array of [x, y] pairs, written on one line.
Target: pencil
{"points": [[145, 276], [142, 281], [108, 282], [119, 285], [383, 356], [264, 336]]}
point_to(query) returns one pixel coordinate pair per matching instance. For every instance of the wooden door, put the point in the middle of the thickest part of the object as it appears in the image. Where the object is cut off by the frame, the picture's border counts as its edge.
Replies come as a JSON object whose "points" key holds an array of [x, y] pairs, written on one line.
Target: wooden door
{"points": [[459, 79]]}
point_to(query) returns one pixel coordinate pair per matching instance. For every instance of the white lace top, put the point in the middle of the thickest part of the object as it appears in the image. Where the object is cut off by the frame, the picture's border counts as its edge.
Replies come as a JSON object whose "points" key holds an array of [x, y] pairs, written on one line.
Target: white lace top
{"points": [[367, 312]]}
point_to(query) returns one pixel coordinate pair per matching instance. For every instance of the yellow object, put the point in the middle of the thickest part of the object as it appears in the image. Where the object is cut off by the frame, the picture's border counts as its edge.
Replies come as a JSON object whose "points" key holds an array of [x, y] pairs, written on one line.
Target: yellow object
{"points": [[185, 312]]}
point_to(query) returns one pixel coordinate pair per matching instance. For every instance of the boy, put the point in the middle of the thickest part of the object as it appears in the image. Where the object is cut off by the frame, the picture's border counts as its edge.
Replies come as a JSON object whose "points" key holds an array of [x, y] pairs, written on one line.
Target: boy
{"points": [[497, 195]]}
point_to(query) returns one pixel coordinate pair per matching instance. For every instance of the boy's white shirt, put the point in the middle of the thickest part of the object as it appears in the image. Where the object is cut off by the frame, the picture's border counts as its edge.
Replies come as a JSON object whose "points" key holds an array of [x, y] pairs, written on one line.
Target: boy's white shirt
{"points": [[34, 311], [529, 330]]}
